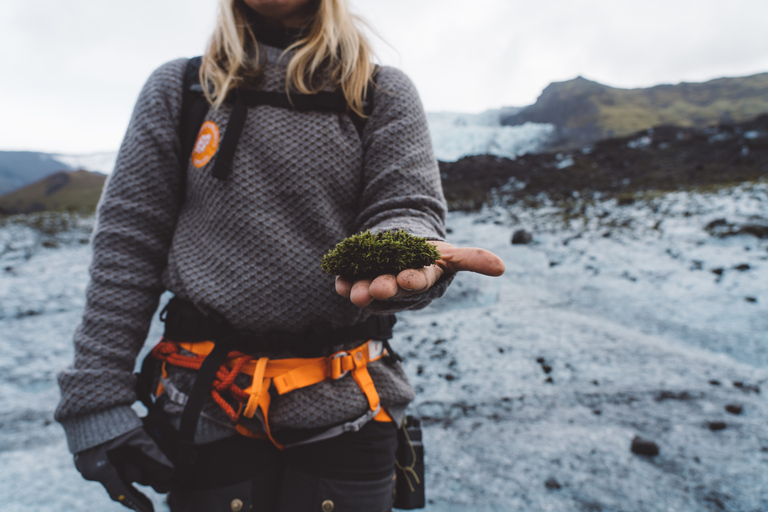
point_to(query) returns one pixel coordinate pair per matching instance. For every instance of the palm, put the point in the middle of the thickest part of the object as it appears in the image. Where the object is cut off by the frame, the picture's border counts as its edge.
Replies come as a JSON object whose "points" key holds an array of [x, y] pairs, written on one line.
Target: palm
{"points": [[412, 281]]}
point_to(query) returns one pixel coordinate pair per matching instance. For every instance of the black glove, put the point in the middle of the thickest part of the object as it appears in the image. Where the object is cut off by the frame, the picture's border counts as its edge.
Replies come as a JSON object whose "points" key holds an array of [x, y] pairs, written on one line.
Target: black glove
{"points": [[132, 457]]}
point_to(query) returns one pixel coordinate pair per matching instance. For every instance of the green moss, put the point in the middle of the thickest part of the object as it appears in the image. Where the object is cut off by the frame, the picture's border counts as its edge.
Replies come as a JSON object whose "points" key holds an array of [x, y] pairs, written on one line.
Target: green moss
{"points": [[367, 255]]}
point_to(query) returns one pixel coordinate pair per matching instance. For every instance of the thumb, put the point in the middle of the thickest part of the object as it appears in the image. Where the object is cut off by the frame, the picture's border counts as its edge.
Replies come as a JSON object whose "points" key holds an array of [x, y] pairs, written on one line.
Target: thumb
{"points": [[473, 259]]}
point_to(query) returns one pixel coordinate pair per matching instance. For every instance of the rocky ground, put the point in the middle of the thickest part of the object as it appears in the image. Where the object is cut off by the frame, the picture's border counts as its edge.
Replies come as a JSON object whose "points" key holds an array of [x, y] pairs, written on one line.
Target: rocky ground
{"points": [[614, 322], [660, 160]]}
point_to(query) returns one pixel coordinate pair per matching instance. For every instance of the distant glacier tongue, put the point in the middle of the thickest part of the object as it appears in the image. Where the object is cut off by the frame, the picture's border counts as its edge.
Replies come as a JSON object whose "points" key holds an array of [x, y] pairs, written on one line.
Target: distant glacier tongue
{"points": [[458, 135]]}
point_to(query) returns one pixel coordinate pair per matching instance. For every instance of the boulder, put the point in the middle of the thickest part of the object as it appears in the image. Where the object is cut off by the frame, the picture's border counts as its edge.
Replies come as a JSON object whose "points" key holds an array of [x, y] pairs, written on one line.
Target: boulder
{"points": [[645, 447], [521, 237]]}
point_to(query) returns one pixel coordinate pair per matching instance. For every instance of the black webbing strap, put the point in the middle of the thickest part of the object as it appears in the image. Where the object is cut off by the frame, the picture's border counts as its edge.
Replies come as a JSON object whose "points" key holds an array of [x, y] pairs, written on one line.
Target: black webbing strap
{"points": [[222, 166], [200, 391], [184, 322], [323, 101], [194, 109]]}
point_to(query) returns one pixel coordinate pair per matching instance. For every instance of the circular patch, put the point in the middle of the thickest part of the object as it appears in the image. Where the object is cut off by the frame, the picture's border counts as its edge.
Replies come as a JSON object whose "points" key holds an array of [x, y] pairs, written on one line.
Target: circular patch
{"points": [[206, 144]]}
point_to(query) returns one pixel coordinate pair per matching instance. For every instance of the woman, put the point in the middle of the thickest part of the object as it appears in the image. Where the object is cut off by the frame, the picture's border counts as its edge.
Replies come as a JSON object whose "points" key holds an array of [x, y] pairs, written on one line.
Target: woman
{"points": [[242, 250]]}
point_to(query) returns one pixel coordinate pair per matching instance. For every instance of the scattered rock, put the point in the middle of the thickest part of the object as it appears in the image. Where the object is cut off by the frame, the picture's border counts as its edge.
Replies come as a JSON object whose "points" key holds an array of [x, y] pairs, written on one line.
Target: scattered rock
{"points": [[549, 380], [746, 387], [717, 271], [9, 269], [419, 370], [716, 425], [734, 408], [540, 360], [438, 342], [697, 460], [449, 377], [645, 447], [501, 350], [84, 241], [546, 368], [50, 244], [721, 228], [672, 395], [714, 382], [552, 484], [596, 383], [597, 412], [521, 236], [750, 299], [743, 267]]}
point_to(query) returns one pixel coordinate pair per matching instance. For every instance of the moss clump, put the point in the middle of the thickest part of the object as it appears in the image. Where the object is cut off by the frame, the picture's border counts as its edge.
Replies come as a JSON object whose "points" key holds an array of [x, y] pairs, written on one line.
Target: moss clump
{"points": [[367, 255]]}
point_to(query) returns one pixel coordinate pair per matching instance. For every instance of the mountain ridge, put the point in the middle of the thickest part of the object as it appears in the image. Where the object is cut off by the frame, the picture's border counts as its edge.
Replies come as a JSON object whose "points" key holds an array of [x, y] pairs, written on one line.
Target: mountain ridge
{"points": [[585, 111], [78, 190]]}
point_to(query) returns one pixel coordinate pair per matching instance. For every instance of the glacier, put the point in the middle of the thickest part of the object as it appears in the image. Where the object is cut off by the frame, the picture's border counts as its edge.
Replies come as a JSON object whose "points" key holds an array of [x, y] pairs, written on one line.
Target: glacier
{"points": [[455, 135], [621, 321]]}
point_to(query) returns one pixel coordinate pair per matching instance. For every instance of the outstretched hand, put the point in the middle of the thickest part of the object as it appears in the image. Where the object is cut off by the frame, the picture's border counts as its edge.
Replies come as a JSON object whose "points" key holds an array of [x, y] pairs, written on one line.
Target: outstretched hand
{"points": [[412, 281]]}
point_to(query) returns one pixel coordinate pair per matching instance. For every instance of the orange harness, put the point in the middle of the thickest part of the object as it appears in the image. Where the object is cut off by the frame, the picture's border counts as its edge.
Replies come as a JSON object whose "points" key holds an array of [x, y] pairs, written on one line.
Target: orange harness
{"points": [[285, 375]]}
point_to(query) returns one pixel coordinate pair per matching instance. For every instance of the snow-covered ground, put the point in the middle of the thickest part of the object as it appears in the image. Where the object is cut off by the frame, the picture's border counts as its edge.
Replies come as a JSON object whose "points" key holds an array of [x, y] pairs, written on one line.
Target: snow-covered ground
{"points": [[609, 325]]}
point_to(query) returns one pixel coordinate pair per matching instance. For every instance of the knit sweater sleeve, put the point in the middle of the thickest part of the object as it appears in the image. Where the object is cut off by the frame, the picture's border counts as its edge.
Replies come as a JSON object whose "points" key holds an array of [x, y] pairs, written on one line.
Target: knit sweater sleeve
{"points": [[136, 220], [402, 187]]}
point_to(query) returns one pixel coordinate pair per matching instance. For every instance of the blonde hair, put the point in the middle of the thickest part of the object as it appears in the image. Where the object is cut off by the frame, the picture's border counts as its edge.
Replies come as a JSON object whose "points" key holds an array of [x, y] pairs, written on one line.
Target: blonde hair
{"points": [[332, 44]]}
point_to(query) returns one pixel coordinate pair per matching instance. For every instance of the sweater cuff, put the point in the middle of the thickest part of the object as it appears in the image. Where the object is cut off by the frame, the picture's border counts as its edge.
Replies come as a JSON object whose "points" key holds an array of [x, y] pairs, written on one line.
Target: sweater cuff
{"points": [[93, 429]]}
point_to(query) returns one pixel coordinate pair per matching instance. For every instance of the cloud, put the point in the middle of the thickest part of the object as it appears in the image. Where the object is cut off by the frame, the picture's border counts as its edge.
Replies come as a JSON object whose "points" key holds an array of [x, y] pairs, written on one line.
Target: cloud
{"points": [[72, 70]]}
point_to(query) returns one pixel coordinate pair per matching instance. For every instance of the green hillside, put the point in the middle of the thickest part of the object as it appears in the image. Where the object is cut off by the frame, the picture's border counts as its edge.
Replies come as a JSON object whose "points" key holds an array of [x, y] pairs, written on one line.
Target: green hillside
{"points": [[20, 168], [585, 111], [73, 190]]}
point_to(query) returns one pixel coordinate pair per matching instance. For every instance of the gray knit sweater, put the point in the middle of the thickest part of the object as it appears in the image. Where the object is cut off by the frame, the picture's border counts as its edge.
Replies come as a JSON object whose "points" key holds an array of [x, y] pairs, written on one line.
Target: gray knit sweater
{"points": [[250, 247]]}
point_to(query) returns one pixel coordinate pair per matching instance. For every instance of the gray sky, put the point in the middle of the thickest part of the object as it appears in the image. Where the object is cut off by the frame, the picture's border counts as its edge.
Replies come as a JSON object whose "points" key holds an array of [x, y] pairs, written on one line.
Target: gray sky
{"points": [[72, 70]]}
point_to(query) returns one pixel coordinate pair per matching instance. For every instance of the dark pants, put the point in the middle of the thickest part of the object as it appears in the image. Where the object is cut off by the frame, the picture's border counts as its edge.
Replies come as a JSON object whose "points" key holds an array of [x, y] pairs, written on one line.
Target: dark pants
{"points": [[353, 472]]}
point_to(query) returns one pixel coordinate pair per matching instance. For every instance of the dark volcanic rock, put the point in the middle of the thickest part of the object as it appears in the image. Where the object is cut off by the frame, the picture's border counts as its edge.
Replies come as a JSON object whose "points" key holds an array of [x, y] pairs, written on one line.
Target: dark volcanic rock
{"points": [[668, 159], [646, 447], [552, 484], [521, 236], [721, 228], [716, 425], [734, 408]]}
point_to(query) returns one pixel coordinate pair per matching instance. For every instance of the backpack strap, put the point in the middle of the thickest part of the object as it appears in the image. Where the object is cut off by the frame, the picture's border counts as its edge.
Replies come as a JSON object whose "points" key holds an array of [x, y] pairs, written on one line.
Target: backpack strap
{"points": [[194, 108]]}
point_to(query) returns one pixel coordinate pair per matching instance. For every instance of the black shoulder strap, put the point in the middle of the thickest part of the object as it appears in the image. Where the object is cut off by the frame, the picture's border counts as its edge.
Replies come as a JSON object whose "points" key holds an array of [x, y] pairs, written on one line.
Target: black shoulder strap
{"points": [[194, 108]]}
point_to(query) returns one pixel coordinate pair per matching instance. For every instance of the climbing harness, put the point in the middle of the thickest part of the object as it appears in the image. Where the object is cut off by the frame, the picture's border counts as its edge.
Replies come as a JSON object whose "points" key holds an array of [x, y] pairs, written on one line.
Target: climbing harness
{"points": [[284, 375], [219, 354]]}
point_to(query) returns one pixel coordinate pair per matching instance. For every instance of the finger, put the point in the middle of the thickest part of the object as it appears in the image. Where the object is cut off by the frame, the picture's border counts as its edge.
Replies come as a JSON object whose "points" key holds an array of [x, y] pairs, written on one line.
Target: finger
{"points": [[473, 259], [359, 295], [419, 280], [384, 287], [343, 286]]}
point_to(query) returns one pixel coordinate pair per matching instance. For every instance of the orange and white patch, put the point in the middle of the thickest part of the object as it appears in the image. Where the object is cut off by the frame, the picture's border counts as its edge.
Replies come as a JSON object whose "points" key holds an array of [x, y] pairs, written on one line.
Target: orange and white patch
{"points": [[206, 144]]}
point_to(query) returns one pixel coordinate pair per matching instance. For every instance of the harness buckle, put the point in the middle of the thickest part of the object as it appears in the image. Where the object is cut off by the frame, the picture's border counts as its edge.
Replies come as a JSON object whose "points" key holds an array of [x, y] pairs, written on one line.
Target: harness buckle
{"points": [[337, 371]]}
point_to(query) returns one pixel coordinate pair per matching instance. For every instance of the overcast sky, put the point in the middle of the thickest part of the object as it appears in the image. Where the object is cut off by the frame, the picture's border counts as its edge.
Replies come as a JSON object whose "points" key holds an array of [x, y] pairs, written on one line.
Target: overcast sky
{"points": [[71, 70]]}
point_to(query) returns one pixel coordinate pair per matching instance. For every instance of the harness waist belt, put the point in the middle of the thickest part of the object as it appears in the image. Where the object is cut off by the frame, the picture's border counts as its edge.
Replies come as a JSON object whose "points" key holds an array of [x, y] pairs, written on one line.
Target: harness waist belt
{"points": [[184, 322]]}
